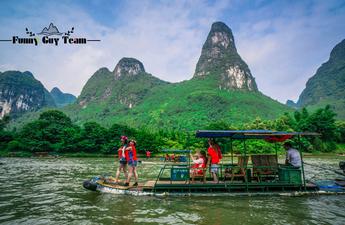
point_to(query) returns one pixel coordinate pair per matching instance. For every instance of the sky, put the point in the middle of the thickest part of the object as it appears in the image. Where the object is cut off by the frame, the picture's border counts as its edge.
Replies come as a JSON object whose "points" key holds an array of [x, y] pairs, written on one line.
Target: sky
{"points": [[283, 42]]}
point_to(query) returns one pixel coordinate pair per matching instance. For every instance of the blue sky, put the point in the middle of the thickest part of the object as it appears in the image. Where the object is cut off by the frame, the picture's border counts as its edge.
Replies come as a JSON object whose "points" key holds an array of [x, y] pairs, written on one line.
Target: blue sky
{"points": [[283, 42]]}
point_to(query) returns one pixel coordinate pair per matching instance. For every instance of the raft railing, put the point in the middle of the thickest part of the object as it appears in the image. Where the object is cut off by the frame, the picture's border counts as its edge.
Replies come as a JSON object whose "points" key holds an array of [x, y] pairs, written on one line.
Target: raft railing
{"points": [[281, 176]]}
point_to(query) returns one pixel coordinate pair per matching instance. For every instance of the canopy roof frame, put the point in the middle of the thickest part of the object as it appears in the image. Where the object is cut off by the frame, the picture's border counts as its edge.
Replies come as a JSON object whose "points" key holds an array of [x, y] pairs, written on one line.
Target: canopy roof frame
{"points": [[249, 134], [256, 134]]}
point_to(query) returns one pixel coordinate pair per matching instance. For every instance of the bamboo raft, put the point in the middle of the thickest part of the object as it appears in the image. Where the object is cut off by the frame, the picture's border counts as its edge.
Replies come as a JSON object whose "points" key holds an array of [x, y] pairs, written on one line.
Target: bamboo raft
{"points": [[263, 177]]}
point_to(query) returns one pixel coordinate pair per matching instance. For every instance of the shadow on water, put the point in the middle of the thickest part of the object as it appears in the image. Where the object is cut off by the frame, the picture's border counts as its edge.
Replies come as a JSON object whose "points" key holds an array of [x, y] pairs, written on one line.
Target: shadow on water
{"points": [[49, 191]]}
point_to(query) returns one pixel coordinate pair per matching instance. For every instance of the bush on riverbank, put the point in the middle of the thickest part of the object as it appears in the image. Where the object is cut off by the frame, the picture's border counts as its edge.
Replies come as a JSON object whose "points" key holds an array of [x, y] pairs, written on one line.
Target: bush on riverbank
{"points": [[53, 131]]}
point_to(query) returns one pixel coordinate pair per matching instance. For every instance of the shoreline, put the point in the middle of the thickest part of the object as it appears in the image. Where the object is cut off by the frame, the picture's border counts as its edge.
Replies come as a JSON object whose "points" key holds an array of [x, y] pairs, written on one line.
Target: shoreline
{"points": [[141, 156]]}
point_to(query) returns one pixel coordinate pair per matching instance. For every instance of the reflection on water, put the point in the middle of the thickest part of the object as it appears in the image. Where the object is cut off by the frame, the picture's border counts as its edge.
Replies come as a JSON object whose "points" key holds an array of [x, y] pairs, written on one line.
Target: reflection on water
{"points": [[49, 191]]}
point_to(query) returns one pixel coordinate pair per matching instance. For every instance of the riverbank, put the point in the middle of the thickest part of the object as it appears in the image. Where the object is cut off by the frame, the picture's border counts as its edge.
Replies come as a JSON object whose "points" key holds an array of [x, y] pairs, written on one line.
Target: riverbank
{"points": [[21, 154]]}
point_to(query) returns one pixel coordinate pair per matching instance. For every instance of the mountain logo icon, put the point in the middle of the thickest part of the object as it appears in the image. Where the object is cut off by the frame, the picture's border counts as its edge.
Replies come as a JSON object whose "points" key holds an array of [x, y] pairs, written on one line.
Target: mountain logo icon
{"points": [[51, 30]]}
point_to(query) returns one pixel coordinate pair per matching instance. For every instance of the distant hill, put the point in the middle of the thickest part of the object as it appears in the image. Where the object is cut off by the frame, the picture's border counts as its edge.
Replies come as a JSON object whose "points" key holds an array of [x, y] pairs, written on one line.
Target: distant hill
{"points": [[20, 92], [327, 86], [291, 104], [222, 89], [61, 99]]}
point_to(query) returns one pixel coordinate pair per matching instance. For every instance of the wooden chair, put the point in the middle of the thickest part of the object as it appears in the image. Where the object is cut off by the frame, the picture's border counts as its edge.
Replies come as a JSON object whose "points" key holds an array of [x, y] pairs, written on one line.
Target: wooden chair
{"points": [[194, 174], [264, 165], [240, 170]]}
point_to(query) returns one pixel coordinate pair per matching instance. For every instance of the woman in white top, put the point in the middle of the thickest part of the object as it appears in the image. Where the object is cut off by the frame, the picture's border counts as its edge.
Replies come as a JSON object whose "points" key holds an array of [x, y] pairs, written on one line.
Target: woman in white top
{"points": [[199, 161]]}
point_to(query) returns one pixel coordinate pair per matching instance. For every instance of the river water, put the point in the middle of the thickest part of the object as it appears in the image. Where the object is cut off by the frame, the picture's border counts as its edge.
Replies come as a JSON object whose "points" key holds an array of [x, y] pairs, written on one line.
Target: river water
{"points": [[49, 191]]}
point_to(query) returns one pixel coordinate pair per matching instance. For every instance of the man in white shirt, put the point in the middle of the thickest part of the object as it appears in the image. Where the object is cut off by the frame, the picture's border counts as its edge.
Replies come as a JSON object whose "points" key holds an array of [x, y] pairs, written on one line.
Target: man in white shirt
{"points": [[293, 157]]}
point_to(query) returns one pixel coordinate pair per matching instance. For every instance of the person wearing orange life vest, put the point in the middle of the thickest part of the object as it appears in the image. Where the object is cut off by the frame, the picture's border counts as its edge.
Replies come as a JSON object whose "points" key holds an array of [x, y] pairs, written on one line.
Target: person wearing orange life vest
{"points": [[167, 157], [172, 157], [199, 161], [214, 156], [132, 163], [123, 158], [148, 154]]}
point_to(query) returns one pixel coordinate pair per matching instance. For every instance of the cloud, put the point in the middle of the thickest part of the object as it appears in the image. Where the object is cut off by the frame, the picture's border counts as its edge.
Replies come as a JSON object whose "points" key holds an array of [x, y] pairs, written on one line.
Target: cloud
{"points": [[166, 37], [284, 51], [67, 67], [283, 43]]}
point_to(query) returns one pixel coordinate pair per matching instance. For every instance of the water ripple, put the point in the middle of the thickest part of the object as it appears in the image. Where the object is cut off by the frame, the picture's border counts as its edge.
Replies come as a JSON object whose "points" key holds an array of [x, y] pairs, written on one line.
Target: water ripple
{"points": [[49, 191]]}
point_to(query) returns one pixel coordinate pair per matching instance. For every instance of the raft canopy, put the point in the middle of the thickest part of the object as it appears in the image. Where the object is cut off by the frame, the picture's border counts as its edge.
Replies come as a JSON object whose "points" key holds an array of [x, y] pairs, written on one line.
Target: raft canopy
{"points": [[251, 134]]}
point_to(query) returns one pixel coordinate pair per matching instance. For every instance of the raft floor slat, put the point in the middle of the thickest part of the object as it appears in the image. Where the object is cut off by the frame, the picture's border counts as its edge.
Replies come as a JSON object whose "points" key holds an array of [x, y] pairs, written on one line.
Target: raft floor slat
{"points": [[150, 183], [226, 186], [209, 186]]}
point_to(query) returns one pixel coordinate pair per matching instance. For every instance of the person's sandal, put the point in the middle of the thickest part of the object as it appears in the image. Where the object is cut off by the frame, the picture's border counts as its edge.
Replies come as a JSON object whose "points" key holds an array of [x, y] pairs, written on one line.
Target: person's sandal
{"points": [[135, 184], [126, 184]]}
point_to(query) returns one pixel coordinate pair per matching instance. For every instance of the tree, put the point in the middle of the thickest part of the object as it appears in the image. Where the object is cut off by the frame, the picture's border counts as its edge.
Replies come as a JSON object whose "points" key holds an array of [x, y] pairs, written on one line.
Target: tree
{"points": [[56, 117], [93, 137], [321, 121], [4, 121], [53, 131], [117, 130], [341, 131], [5, 136]]}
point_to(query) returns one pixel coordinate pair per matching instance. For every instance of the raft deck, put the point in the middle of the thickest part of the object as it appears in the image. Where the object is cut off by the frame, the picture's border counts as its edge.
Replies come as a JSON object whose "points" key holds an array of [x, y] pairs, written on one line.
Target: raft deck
{"points": [[209, 186]]}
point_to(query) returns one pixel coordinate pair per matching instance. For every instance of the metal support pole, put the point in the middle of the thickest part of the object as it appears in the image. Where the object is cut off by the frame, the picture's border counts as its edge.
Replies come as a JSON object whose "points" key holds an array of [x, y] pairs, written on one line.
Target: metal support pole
{"points": [[245, 168], [189, 152], [276, 147], [276, 169], [302, 166], [232, 152], [245, 147]]}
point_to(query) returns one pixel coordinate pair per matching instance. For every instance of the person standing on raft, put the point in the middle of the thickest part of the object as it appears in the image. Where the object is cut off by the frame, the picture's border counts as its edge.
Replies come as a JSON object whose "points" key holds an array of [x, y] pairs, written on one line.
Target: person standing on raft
{"points": [[123, 157], [214, 156], [132, 163]]}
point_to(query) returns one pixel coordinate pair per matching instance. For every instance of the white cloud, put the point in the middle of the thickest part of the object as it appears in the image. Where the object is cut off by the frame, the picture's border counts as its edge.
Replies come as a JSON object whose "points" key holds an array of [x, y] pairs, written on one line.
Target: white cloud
{"points": [[282, 51], [167, 38]]}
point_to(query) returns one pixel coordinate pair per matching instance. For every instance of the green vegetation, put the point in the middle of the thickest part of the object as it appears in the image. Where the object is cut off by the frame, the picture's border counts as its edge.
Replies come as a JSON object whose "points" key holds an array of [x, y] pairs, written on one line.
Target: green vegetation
{"points": [[187, 106], [55, 132], [326, 87]]}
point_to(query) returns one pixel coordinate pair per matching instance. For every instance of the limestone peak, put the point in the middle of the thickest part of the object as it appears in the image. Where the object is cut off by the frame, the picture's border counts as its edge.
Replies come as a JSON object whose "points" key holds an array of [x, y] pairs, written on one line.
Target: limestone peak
{"points": [[128, 67], [221, 36], [219, 58]]}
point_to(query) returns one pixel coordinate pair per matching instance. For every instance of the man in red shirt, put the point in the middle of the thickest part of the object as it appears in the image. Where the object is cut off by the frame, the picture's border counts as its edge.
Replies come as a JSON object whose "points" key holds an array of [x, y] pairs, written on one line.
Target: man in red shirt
{"points": [[214, 156]]}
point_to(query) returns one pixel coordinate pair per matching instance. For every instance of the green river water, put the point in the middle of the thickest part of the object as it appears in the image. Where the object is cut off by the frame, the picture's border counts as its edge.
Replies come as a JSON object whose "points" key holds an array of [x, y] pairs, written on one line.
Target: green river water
{"points": [[49, 191]]}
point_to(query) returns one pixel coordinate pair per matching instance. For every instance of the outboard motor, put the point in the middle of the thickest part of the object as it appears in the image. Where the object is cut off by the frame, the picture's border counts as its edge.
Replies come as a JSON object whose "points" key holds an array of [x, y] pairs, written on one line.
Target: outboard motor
{"points": [[91, 184], [88, 184], [342, 166]]}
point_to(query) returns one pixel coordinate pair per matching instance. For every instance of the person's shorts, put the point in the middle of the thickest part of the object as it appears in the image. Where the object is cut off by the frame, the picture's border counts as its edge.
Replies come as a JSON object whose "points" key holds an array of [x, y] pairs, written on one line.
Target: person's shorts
{"points": [[123, 161], [133, 163], [214, 168]]}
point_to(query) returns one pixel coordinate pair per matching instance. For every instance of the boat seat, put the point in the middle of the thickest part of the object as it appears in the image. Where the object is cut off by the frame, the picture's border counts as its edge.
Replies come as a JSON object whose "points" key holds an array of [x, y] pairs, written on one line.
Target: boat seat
{"points": [[239, 170], [194, 174], [264, 165]]}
